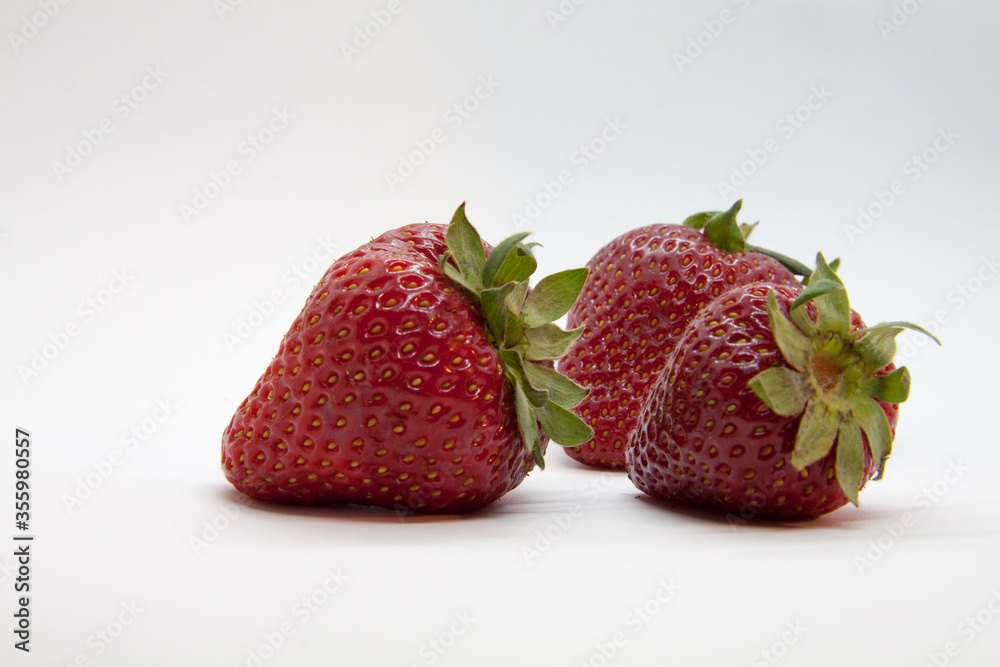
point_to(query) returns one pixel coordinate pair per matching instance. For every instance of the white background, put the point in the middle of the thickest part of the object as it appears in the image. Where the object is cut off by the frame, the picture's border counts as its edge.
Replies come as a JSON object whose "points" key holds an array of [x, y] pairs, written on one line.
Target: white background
{"points": [[554, 572]]}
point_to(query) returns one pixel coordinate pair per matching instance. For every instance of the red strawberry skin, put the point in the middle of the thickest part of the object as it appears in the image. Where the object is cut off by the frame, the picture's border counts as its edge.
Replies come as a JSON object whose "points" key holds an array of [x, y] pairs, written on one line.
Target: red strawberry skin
{"points": [[643, 289], [385, 391], [706, 439]]}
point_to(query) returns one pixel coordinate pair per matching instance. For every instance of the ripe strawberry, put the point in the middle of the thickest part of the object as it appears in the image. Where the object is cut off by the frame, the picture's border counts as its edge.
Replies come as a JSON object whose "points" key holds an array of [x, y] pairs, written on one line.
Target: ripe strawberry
{"points": [[769, 416], [412, 378], [643, 289]]}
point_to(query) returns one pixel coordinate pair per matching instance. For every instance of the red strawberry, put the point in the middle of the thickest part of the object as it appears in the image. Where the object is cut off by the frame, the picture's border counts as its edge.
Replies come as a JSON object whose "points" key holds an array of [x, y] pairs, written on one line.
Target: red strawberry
{"points": [[643, 289], [769, 416], [412, 378]]}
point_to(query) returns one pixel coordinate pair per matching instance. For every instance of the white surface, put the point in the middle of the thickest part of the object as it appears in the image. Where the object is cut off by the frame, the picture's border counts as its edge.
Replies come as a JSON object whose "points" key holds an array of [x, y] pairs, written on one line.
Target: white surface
{"points": [[930, 529]]}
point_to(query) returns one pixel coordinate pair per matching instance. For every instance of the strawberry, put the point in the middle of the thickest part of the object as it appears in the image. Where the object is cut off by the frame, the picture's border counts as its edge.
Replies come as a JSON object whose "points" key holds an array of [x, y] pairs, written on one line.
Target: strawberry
{"points": [[777, 402], [643, 289], [415, 377]]}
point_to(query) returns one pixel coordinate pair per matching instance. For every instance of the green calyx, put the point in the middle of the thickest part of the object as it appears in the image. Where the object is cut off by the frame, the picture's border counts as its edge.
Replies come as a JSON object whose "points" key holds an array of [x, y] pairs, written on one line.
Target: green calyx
{"points": [[519, 323], [722, 230], [832, 379]]}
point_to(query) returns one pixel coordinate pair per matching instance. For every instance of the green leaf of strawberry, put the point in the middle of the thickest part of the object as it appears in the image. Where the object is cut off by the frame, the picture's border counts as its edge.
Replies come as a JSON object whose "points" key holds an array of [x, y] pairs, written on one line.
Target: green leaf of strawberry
{"points": [[816, 288], [850, 458], [466, 248], [519, 321], [501, 253], [562, 425], [833, 379], [721, 228], [724, 232], [562, 391], [784, 389], [553, 296], [548, 342]]}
